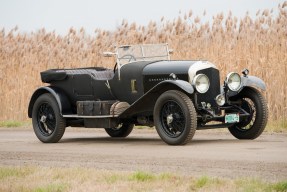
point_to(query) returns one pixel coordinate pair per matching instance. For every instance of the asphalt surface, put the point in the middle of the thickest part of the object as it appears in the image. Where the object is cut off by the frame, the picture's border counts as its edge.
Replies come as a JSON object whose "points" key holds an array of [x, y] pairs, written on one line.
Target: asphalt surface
{"points": [[213, 153]]}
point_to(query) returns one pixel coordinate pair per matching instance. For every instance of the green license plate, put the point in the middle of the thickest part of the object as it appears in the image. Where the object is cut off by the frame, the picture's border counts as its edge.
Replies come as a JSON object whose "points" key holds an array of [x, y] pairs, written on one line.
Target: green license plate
{"points": [[232, 118]]}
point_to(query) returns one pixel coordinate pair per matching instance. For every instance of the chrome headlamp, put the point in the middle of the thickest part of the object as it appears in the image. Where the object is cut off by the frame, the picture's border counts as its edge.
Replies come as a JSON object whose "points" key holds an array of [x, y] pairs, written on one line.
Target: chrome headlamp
{"points": [[201, 83], [220, 99], [233, 81]]}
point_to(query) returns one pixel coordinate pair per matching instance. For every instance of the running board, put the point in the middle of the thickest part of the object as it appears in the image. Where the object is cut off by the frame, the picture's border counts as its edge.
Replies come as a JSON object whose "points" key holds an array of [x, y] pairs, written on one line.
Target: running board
{"points": [[90, 116]]}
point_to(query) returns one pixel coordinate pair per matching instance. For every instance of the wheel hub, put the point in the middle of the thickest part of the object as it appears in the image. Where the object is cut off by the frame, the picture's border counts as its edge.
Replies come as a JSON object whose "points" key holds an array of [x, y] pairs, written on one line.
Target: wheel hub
{"points": [[169, 119], [43, 119]]}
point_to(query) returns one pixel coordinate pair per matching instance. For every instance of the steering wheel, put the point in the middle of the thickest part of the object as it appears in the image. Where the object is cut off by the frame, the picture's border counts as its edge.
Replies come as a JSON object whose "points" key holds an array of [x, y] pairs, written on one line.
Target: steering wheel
{"points": [[128, 56]]}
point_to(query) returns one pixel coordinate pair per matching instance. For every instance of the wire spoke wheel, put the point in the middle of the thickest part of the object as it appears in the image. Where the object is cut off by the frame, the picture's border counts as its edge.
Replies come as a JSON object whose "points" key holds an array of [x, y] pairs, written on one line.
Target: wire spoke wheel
{"points": [[251, 127], [48, 124], [172, 119], [46, 119], [175, 117]]}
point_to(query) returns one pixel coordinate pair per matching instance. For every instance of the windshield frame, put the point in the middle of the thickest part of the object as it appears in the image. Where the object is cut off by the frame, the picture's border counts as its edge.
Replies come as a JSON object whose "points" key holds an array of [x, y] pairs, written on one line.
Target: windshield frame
{"points": [[143, 56]]}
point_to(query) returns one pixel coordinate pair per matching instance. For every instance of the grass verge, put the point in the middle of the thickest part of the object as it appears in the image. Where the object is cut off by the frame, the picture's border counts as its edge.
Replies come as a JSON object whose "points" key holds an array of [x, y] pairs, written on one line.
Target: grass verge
{"points": [[44, 179], [14, 123], [278, 126]]}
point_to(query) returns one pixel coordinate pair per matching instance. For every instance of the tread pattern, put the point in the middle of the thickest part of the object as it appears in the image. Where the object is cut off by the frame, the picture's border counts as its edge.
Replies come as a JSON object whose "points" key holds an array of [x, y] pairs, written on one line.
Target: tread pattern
{"points": [[264, 111], [193, 116]]}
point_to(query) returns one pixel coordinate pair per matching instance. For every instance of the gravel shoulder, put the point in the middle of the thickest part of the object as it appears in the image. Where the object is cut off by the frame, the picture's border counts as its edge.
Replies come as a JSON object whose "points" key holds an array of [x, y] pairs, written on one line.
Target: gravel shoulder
{"points": [[213, 153]]}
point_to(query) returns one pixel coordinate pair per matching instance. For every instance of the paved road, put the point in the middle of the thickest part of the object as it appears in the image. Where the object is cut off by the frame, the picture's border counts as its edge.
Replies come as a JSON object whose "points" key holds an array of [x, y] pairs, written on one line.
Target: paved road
{"points": [[213, 153]]}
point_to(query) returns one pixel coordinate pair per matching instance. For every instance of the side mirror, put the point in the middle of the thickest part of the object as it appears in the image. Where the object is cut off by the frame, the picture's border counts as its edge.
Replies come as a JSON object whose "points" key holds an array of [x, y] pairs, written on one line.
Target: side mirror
{"points": [[170, 51], [108, 54]]}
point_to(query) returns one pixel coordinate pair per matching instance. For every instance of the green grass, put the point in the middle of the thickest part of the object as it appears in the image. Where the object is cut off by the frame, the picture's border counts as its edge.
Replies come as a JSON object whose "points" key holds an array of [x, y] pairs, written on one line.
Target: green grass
{"points": [[13, 123], [279, 187], [143, 127], [202, 181], [166, 176], [49, 179], [53, 187], [277, 126], [206, 182], [6, 172], [142, 176], [250, 185], [110, 179]]}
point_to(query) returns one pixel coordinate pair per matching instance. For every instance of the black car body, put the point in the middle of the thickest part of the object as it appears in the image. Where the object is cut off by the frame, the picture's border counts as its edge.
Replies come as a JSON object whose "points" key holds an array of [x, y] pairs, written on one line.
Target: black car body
{"points": [[147, 88]]}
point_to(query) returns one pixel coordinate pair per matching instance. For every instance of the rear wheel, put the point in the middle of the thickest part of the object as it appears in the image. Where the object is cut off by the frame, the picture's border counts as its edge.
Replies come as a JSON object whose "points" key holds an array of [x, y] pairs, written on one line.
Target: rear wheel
{"points": [[175, 118], [123, 130], [253, 102], [49, 126]]}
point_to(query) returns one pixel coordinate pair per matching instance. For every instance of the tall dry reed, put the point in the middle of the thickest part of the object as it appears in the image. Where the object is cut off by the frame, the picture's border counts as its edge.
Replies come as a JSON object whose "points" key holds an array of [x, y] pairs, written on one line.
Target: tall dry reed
{"points": [[259, 44]]}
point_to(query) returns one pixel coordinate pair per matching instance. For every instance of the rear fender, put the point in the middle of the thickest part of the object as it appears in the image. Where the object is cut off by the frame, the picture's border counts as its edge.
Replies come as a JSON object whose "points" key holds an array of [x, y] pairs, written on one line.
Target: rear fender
{"points": [[61, 98], [147, 101]]}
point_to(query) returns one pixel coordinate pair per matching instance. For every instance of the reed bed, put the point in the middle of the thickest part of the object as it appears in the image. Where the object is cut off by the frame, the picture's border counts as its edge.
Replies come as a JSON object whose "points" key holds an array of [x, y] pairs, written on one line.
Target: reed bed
{"points": [[257, 43]]}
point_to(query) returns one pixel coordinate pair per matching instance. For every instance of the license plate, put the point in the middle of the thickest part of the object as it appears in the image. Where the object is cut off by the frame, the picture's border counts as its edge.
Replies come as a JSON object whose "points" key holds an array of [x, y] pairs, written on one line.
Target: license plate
{"points": [[232, 118]]}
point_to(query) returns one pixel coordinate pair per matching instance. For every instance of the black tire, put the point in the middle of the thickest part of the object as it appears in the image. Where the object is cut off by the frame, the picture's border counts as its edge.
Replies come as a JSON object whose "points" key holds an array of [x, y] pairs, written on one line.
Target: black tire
{"points": [[175, 117], [49, 126], [123, 130], [254, 103]]}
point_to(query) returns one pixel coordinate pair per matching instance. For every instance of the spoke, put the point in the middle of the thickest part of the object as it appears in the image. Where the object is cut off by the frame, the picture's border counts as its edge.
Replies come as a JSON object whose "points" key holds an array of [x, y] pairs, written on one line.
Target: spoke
{"points": [[251, 109], [167, 108], [165, 112], [47, 127], [180, 124], [176, 126]]}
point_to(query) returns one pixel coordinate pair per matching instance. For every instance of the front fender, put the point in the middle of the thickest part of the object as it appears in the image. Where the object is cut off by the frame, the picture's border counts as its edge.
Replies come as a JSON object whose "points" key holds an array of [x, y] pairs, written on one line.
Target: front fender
{"points": [[249, 81], [147, 101], [61, 98], [252, 81], [183, 85]]}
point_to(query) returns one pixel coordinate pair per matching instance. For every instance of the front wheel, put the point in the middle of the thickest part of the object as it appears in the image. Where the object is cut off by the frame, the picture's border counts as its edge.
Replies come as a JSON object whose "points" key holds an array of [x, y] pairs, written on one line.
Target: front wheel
{"points": [[253, 102], [49, 126], [123, 130], [175, 117]]}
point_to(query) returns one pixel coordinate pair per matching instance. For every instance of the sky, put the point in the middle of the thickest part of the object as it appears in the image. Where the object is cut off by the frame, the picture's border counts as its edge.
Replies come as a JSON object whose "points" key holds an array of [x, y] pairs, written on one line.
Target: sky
{"points": [[61, 15]]}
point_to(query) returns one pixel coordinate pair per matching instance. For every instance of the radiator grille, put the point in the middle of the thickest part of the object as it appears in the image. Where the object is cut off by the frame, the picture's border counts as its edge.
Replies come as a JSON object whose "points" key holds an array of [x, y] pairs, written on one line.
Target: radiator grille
{"points": [[214, 89]]}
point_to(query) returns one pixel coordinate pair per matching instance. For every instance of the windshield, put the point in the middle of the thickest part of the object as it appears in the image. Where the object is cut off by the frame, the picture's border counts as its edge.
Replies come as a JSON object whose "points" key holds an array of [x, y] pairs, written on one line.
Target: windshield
{"points": [[148, 52]]}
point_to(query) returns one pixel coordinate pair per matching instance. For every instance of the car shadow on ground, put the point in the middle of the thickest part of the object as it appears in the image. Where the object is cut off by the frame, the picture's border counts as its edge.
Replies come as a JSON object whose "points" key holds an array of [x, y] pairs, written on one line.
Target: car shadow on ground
{"points": [[108, 139], [144, 141]]}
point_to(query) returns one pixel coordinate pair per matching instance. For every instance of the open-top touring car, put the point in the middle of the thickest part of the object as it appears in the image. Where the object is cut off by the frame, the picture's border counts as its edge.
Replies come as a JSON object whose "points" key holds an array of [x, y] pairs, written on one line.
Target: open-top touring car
{"points": [[147, 88]]}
